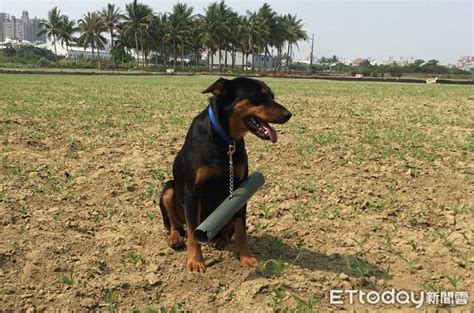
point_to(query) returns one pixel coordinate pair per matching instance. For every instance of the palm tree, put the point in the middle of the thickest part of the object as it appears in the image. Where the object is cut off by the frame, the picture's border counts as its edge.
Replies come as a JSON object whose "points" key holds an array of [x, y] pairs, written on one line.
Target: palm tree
{"points": [[232, 22], [268, 17], [277, 39], [137, 25], [68, 28], [242, 34], [122, 45], [194, 41], [294, 33], [185, 17], [208, 32], [52, 27], [158, 33], [256, 36], [173, 33], [214, 30], [91, 27], [223, 31], [112, 17]]}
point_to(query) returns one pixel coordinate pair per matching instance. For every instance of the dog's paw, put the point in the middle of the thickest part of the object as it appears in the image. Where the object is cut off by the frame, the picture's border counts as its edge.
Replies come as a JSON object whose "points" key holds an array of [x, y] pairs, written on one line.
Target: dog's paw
{"points": [[176, 241], [195, 265], [249, 261]]}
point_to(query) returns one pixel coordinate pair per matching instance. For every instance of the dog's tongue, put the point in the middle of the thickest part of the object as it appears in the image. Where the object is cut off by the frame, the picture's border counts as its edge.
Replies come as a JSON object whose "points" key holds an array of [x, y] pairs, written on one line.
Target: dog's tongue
{"points": [[270, 132]]}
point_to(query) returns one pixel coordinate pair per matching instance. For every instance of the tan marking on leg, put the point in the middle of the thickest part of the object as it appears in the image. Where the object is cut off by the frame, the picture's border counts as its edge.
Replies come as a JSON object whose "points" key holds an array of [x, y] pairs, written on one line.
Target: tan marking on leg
{"points": [[245, 255], [194, 260], [176, 240]]}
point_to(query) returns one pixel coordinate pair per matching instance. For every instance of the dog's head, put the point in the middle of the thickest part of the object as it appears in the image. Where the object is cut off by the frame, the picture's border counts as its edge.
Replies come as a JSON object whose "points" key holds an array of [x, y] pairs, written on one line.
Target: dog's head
{"points": [[249, 105]]}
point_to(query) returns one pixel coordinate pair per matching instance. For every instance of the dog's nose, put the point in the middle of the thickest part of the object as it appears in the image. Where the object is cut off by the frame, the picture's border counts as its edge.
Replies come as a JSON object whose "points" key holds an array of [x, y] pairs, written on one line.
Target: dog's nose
{"points": [[286, 116]]}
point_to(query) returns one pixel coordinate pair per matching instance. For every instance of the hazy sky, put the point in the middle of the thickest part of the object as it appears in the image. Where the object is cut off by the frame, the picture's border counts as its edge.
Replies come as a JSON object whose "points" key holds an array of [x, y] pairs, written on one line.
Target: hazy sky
{"points": [[349, 29]]}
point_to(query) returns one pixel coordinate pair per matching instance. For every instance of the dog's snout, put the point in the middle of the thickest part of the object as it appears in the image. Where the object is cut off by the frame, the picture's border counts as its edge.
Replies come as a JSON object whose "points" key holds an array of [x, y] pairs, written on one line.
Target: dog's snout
{"points": [[286, 115]]}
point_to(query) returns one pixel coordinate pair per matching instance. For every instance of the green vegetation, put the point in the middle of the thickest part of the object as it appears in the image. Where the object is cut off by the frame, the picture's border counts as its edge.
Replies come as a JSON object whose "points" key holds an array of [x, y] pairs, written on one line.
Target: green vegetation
{"points": [[179, 35], [371, 180], [26, 56], [333, 65]]}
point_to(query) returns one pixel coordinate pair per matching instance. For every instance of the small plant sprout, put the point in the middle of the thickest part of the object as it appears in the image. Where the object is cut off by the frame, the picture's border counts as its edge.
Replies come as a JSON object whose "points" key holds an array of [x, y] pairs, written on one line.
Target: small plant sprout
{"points": [[111, 301], [361, 243], [454, 280], [448, 243], [67, 278], [276, 299]]}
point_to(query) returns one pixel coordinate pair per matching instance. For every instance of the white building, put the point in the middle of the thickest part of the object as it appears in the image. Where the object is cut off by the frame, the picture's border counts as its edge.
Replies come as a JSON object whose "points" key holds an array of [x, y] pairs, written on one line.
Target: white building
{"points": [[258, 60], [401, 61], [75, 52]]}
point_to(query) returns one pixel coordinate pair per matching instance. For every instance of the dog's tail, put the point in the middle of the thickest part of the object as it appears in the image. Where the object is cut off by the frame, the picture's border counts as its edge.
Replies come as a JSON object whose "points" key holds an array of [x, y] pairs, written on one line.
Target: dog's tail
{"points": [[169, 187]]}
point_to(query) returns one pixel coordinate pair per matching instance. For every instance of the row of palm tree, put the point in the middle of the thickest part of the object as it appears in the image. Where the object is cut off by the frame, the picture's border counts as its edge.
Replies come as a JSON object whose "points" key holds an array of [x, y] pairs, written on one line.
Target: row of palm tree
{"points": [[219, 31]]}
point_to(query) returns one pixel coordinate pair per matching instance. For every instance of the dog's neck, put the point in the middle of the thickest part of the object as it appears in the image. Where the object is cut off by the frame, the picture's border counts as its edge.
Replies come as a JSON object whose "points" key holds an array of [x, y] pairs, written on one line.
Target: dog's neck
{"points": [[229, 120]]}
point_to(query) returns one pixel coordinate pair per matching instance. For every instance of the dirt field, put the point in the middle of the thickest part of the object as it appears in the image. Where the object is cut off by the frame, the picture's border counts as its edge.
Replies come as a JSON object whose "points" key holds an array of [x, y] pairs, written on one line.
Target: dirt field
{"points": [[369, 187]]}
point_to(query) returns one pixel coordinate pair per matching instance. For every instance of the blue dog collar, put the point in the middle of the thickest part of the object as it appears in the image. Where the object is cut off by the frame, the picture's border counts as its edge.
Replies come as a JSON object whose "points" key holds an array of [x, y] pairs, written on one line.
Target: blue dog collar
{"points": [[218, 128]]}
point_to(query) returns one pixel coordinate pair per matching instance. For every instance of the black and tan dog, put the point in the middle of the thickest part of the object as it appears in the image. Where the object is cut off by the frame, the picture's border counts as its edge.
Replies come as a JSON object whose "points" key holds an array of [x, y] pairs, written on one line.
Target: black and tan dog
{"points": [[201, 168]]}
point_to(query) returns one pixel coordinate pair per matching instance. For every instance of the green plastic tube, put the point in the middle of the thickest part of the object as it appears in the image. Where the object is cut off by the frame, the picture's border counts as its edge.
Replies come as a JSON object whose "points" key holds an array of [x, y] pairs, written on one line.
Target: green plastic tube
{"points": [[228, 208]]}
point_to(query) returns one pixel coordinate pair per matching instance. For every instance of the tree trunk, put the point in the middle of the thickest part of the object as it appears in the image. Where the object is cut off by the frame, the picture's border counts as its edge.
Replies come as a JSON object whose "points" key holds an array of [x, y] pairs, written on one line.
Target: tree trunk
{"points": [[212, 61], [287, 58], [112, 46], [243, 59], [55, 51], [225, 58], [182, 54], [174, 54], [265, 59], [278, 66], [290, 51], [220, 55], [253, 59], [233, 57], [143, 49], [136, 47], [98, 56], [209, 58]]}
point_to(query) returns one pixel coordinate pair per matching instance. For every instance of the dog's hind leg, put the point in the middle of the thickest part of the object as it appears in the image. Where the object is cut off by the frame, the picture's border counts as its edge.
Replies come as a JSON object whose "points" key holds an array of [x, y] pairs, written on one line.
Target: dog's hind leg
{"points": [[176, 240]]}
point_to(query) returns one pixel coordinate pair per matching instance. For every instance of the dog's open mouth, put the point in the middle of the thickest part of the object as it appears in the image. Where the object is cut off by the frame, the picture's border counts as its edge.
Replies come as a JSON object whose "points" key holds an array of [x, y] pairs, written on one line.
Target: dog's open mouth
{"points": [[261, 128]]}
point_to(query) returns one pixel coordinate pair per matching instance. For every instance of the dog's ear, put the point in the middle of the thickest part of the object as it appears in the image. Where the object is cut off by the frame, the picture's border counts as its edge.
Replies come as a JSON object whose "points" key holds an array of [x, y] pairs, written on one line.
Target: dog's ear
{"points": [[217, 88]]}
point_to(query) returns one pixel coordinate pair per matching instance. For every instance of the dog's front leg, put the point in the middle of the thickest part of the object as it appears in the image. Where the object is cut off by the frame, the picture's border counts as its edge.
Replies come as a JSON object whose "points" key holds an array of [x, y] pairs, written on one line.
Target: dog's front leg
{"points": [[245, 256], [192, 211]]}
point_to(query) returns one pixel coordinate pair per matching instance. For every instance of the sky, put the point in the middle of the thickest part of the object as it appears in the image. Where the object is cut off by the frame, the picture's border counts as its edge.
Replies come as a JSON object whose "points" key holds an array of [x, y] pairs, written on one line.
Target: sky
{"points": [[426, 30]]}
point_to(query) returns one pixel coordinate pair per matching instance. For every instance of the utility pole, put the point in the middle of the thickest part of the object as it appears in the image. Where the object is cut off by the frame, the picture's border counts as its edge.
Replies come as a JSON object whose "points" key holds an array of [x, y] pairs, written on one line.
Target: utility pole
{"points": [[311, 55]]}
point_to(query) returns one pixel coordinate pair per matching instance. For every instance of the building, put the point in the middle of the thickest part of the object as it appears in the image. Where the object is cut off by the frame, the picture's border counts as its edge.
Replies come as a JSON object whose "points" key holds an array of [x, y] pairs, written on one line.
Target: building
{"points": [[358, 61], [9, 29], [466, 63], [75, 52], [401, 61], [23, 29], [3, 18], [258, 60]]}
